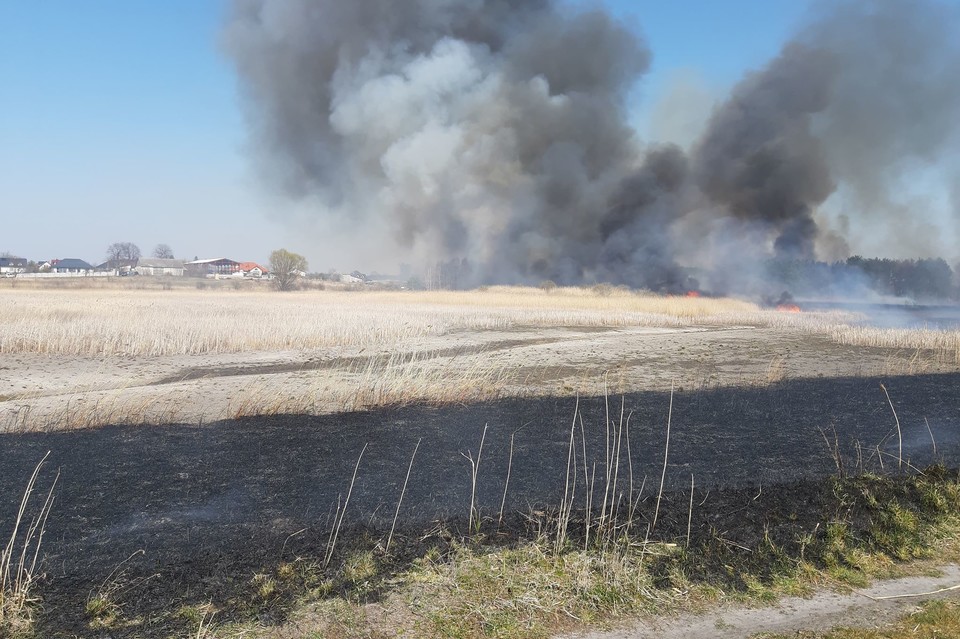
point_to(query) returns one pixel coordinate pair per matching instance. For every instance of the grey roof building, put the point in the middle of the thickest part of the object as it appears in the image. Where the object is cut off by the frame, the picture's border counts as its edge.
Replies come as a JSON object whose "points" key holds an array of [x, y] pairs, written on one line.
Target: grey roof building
{"points": [[71, 265]]}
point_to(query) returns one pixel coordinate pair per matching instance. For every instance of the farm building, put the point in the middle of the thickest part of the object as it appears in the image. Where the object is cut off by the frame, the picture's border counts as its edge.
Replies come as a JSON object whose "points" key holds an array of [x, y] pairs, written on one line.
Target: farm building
{"points": [[213, 266], [252, 269], [12, 265], [117, 267], [159, 266], [70, 265]]}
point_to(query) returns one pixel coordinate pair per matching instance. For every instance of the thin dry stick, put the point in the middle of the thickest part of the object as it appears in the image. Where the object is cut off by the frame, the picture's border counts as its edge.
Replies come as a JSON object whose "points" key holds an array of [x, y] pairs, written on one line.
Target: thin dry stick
{"points": [[474, 469], [567, 502], [402, 491], [690, 511], [907, 464], [333, 528], [40, 526], [568, 511], [587, 483], [14, 592], [643, 485], [506, 483], [205, 623], [643, 549], [899, 434], [583, 443], [6, 557], [932, 440], [606, 470], [834, 449], [589, 508], [346, 502], [617, 438], [913, 594], [614, 508], [666, 451], [630, 470]]}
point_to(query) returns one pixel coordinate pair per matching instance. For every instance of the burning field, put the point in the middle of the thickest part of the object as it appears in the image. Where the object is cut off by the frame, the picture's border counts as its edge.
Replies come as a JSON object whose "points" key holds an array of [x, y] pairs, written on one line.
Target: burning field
{"points": [[497, 133], [620, 411], [232, 482]]}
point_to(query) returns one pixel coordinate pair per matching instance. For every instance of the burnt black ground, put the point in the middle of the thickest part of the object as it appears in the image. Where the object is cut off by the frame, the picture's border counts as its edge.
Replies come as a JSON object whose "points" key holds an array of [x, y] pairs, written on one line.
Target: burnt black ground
{"points": [[227, 496]]}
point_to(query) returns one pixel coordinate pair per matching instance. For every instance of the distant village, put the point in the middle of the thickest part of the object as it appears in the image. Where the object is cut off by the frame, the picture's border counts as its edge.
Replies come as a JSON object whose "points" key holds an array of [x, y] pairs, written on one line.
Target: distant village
{"points": [[74, 267], [124, 260]]}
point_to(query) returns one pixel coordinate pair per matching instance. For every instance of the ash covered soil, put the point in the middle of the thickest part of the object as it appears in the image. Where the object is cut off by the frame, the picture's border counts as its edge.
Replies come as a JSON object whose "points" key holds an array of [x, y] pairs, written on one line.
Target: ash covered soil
{"points": [[190, 513]]}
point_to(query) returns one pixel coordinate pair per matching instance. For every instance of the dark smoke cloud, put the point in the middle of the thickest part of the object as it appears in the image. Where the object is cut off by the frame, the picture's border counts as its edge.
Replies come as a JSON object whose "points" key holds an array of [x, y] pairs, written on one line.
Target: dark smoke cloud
{"points": [[497, 130], [759, 159]]}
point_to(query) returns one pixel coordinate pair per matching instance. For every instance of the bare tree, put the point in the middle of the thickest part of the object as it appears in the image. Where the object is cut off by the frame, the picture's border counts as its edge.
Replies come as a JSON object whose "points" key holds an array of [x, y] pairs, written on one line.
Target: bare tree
{"points": [[163, 251], [286, 268], [122, 253]]}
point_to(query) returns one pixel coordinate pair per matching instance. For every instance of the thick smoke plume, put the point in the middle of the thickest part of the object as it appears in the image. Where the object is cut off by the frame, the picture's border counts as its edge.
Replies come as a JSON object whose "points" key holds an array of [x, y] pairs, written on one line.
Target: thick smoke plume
{"points": [[497, 130]]}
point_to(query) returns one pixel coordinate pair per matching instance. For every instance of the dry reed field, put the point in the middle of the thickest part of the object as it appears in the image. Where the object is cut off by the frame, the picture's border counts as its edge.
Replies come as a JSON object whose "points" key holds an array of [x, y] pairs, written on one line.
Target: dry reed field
{"points": [[246, 426], [143, 351], [945, 343], [103, 322]]}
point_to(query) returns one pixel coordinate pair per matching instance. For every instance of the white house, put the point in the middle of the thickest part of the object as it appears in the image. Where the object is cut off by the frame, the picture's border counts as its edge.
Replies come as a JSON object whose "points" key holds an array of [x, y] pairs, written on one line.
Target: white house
{"points": [[12, 265], [71, 265], [252, 269]]}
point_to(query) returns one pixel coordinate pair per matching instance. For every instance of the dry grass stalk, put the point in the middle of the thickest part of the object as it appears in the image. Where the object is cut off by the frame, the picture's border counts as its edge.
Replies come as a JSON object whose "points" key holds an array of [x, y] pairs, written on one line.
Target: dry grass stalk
{"points": [[205, 627], [589, 506], [18, 559], [899, 433], [834, 448], [402, 492], [566, 506], [332, 543], [506, 483], [690, 511], [474, 516], [607, 455], [631, 504], [932, 439], [666, 451], [104, 603]]}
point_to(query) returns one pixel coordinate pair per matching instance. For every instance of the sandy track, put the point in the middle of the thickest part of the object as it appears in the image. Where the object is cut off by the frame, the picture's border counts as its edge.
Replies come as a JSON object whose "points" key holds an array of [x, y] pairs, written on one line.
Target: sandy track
{"points": [[826, 610]]}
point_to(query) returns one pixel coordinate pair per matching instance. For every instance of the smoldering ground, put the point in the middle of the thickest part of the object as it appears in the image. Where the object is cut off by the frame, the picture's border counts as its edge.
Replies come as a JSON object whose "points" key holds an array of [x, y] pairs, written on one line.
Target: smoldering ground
{"points": [[498, 130]]}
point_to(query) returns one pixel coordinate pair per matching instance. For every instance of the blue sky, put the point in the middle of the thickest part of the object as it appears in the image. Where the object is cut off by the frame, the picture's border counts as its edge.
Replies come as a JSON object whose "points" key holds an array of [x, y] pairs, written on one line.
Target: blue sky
{"points": [[120, 121]]}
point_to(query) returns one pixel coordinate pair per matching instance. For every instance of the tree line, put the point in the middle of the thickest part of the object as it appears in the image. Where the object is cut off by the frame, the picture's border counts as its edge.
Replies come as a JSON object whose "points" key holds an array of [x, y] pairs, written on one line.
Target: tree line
{"points": [[929, 279]]}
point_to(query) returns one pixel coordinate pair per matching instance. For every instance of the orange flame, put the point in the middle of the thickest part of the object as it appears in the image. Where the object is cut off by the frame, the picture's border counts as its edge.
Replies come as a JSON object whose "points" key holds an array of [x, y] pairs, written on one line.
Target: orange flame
{"points": [[693, 294], [788, 308]]}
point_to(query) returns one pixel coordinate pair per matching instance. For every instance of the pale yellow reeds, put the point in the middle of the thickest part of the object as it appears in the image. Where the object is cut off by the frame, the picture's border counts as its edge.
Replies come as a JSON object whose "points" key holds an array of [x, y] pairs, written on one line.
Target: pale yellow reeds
{"points": [[182, 322]]}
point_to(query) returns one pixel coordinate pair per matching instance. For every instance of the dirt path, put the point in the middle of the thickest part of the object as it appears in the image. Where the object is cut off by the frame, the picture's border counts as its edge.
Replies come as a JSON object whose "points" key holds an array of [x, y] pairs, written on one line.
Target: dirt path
{"points": [[864, 608]]}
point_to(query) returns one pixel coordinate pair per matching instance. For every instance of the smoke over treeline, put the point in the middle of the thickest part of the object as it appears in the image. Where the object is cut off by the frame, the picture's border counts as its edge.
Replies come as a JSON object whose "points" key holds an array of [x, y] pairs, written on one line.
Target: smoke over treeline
{"points": [[873, 279], [497, 130]]}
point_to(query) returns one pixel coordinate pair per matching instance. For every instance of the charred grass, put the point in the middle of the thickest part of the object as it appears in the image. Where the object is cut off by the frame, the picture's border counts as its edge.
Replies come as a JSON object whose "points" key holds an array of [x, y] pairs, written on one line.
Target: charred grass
{"points": [[511, 578], [220, 531]]}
